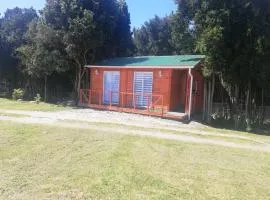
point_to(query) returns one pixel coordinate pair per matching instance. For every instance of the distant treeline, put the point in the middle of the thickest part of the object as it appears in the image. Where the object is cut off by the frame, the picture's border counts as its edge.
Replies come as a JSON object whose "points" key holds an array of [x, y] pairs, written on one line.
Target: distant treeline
{"points": [[54, 45]]}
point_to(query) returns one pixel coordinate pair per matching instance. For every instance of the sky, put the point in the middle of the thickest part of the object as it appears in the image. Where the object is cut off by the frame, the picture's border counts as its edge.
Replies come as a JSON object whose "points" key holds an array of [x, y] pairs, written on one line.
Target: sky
{"points": [[140, 10], [143, 10]]}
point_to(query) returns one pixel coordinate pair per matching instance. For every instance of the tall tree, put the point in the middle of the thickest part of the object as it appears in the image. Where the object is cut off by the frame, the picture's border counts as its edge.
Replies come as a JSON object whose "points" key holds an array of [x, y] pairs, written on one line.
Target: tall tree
{"points": [[39, 58], [141, 41], [13, 28], [234, 36], [154, 37], [112, 22], [169, 35], [78, 42], [123, 36], [85, 31], [183, 32]]}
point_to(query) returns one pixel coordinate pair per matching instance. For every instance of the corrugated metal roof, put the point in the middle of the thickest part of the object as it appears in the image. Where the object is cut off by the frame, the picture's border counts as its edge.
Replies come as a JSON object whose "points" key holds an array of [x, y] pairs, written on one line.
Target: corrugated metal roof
{"points": [[178, 61]]}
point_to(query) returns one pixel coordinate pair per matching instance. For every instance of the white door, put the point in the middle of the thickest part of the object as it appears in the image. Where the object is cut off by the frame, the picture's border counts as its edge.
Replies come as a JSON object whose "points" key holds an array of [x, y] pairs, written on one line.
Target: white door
{"points": [[111, 87], [143, 86]]}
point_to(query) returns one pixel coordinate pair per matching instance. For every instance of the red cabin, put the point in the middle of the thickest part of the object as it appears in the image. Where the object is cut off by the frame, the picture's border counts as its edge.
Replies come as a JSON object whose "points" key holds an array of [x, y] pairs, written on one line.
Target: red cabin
{"points": [[152, 85]]}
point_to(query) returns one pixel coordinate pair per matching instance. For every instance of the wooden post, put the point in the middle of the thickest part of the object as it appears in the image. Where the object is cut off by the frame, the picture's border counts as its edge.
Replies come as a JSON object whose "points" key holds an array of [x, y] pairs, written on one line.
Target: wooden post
{"points": [[162, 114], [190, 94], [148, 105], [134, 101], [110, 99], [122, 101], [81, 96], [100, 99]]}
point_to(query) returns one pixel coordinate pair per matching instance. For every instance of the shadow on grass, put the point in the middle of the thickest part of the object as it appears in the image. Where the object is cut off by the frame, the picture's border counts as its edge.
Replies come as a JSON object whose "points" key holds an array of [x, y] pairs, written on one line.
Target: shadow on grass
{"points": [[263, 129]]}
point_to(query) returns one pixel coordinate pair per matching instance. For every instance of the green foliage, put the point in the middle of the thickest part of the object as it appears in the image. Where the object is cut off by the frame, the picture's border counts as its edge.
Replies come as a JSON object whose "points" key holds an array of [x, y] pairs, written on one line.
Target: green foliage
{"points": [[70, 34], [39, 56], [15, 24], [13, 29], [79, 37], [183, 31], [164, 36], [17, 94], [154, 37], [234, 36], [67, 35]]}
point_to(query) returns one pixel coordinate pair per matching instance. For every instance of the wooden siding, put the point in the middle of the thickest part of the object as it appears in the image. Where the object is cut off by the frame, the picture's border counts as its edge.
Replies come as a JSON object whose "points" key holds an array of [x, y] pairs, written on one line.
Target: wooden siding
{"points": [[173, 84], [161, 81], [178, 90], [197, 91]]}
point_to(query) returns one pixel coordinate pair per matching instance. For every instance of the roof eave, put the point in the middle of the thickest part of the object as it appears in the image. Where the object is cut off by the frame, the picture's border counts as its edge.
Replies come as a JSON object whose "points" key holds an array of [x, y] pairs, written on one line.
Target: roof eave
{"points": [[143, 67]]}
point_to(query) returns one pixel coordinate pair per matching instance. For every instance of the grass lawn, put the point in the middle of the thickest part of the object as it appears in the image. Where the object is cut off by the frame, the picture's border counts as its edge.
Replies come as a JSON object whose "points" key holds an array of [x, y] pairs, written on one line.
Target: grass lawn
{"points": [[7, 104], [45, 162]]}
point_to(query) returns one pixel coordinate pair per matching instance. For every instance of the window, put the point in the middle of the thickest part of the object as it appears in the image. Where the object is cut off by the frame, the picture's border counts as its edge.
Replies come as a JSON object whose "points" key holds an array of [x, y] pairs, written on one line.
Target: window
{"points": [[111, 87], [143, 86]]}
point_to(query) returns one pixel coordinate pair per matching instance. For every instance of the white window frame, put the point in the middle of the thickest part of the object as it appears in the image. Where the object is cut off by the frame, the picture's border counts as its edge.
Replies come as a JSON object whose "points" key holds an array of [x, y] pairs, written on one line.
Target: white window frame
{"points": [[134, 92], [104, 73]]}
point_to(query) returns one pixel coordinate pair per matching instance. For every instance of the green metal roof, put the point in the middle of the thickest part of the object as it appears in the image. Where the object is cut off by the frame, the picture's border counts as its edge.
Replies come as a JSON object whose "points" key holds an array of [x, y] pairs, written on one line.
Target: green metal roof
{"points": [[178, 61]]}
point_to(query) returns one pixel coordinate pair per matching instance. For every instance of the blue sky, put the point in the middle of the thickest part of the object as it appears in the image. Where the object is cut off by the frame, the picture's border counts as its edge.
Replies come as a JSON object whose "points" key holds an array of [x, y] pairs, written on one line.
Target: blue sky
{"points": [[140, 10], [143, 10]]}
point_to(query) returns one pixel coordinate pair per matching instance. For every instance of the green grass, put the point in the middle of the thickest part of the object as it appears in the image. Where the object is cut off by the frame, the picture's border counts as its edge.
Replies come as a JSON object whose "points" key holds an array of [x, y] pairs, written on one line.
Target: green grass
{"points": [[261, 136], [4, 114], [45, 162], [213, 133], [6, 104]]}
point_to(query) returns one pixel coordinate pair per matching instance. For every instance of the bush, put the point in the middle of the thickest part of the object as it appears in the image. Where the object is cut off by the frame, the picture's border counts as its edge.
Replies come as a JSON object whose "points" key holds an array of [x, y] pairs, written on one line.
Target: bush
{"points": [[17, 94], [38, 98]]}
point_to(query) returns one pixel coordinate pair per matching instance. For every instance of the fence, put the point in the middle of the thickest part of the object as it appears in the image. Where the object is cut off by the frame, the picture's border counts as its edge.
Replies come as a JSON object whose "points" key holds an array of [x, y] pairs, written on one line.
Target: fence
{"points": [[149, 104]]}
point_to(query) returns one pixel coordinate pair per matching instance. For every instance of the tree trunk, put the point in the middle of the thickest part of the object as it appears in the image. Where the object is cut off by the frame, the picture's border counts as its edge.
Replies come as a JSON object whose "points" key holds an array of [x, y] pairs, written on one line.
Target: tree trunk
{"points": [[45, 88], [248, 127], [236, 110], [27, 87], [208, 117], [210, 97], [75, 84], [262, 109], [208, 102], [228, 88], [204, 100], [79, 72], [78, 86], [212, 93]]}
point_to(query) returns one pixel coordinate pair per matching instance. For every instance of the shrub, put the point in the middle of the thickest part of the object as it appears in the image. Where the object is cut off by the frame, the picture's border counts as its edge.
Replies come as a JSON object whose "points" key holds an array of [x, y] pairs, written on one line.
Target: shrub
{"points": [[38, 98], [17, 94]]}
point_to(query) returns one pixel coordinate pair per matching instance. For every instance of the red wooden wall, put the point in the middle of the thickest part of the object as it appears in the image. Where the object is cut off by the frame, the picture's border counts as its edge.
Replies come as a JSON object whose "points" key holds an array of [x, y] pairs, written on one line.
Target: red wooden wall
{"points": [[161, 81], [178, 90], [171, 83]]}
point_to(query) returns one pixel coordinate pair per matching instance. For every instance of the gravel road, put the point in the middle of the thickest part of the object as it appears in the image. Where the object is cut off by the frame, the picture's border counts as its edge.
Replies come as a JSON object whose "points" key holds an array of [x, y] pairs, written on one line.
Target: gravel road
{"points": [[80, 118]]}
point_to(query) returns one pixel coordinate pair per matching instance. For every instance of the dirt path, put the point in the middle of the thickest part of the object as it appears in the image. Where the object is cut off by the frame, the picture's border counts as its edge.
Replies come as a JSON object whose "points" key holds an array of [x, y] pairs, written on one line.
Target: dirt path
{"points": [[156, 127], [94, 116]]}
